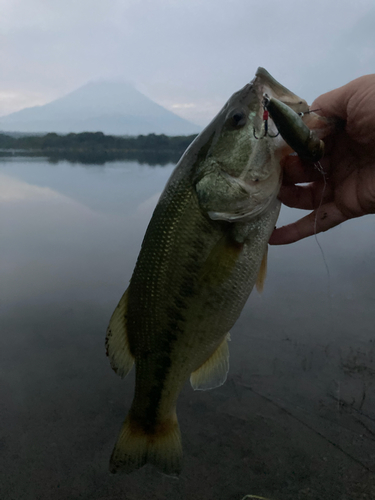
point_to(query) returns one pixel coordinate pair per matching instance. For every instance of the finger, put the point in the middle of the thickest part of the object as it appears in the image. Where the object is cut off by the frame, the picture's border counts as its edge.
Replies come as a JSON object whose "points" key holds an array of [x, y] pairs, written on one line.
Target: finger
{"points": [[328, 216], [305, 197], [297, 171], [335, 102]]}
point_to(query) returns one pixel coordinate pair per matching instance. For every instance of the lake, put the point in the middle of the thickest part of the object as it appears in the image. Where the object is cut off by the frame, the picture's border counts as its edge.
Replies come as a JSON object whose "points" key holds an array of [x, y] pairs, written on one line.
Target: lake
{"points": [[296, 417]]}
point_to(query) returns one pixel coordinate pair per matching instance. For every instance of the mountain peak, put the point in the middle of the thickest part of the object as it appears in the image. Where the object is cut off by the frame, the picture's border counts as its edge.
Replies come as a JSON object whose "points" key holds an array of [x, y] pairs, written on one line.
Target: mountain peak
{"points": [[107, 106]]}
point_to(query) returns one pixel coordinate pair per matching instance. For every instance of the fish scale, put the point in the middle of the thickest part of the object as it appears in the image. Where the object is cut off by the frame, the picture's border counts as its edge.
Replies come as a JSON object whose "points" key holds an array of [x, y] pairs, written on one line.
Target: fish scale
{"points": [[200, 258]]}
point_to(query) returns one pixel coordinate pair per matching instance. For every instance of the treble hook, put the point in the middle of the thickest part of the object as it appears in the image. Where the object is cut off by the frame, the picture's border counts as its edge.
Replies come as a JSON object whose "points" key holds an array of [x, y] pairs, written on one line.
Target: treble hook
{"points": [[255, 135], [265, 120]]}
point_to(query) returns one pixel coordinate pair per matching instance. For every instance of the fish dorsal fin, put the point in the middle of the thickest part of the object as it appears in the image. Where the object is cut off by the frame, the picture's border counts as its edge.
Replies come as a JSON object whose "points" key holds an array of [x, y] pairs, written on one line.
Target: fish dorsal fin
{"points": [[213, 372], [262, 273], [116, 342]]}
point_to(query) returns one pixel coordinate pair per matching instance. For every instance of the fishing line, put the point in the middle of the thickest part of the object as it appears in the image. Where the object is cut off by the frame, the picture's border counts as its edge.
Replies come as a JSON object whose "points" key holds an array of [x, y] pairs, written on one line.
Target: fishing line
{"points": [[319, 168], [254, 497]]}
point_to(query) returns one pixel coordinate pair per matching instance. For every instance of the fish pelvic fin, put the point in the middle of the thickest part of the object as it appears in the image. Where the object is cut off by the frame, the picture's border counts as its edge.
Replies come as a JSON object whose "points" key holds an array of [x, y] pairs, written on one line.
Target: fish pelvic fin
{"points": [[135, 447], [116, 342], [262, 273], [213, 372]]}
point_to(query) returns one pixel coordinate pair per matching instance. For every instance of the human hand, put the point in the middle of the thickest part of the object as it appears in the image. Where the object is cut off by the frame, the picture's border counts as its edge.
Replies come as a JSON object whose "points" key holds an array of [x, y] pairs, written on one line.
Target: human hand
{"points": [[347, 188]]}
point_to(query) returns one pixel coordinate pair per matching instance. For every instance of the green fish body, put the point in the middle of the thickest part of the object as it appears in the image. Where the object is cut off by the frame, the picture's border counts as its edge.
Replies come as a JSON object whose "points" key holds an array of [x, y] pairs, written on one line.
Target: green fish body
{"points": [[200, 258]]}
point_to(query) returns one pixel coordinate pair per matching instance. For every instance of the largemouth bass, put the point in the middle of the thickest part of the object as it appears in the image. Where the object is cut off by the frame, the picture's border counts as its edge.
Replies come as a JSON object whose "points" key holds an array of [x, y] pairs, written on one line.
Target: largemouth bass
{"points": [[204, 249]]}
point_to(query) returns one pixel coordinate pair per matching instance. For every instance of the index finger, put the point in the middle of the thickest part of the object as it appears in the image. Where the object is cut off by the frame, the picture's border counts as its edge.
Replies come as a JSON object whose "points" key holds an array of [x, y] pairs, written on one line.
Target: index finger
{"points": [[326, 217]]}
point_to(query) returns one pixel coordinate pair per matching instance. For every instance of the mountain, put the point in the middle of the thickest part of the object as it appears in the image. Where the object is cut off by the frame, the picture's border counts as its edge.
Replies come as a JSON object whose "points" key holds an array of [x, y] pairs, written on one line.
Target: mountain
{"points": [[109, 107]]}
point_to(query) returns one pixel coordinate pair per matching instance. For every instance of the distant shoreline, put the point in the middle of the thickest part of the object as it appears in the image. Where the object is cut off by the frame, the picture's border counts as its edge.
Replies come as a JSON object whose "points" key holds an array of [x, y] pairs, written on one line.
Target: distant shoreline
{"points": [[97, 148]]}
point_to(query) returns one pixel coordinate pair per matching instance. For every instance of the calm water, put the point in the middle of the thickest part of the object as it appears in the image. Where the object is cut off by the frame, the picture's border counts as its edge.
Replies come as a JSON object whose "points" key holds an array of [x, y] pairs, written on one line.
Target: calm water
{"points": [[296, 417]]}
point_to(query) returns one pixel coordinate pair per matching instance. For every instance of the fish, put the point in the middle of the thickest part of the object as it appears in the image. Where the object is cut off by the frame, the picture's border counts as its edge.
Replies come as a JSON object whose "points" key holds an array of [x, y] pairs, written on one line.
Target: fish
{"points": [[204, 250]]}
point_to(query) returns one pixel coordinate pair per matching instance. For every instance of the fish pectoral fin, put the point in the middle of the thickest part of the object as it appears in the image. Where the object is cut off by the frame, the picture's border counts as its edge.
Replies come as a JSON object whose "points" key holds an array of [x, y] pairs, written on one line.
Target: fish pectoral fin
{"points": [[220, 262], [262, 273], [213, 372], [116, 342]]}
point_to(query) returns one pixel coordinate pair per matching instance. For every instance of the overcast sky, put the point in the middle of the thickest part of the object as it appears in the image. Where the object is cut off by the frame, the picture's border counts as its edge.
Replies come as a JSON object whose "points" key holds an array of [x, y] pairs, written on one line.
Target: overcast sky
{"points": [[187, 55]]}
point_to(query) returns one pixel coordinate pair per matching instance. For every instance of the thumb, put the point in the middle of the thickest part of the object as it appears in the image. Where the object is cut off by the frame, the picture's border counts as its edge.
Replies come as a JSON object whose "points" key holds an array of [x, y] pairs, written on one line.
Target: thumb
{"points": [[354, 103], [335, 102]]}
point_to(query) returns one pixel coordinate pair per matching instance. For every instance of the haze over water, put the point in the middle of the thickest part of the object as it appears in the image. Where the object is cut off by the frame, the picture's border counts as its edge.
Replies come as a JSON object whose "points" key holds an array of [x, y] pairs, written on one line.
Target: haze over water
{"points": [[296, 417]]}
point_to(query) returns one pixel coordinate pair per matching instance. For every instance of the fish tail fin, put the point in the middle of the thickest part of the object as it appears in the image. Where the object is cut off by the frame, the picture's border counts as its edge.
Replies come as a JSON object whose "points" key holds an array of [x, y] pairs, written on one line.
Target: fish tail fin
{"points": [[136, 447]]}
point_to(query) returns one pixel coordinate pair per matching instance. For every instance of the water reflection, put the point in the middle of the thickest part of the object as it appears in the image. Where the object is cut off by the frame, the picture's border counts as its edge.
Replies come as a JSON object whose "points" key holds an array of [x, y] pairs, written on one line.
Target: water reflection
{"points": [[296, 418]]}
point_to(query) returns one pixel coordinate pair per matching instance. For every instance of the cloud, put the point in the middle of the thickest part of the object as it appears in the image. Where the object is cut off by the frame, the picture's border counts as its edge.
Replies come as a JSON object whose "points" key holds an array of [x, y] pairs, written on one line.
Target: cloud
{"points": [[179, 51]]}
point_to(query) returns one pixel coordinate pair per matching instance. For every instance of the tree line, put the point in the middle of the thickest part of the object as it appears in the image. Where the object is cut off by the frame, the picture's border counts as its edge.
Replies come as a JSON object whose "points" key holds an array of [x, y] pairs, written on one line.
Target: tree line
{"points": [[96, 141]]}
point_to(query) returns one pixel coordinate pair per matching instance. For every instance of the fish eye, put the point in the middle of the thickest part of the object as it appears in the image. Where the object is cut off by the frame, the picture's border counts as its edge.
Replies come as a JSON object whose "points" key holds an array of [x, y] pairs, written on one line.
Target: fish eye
{"points": [[238, 119]]}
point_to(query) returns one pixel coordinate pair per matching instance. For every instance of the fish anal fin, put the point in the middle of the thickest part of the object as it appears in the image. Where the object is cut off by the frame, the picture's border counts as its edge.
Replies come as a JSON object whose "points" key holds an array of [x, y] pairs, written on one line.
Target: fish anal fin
{"points": [[262, 273], [213, 372], [116, 342], [136, 447]]}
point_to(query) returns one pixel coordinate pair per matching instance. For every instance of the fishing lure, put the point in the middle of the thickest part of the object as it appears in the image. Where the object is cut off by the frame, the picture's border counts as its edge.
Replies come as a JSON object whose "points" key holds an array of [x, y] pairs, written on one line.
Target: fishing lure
{"points": [[293, 130]]}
